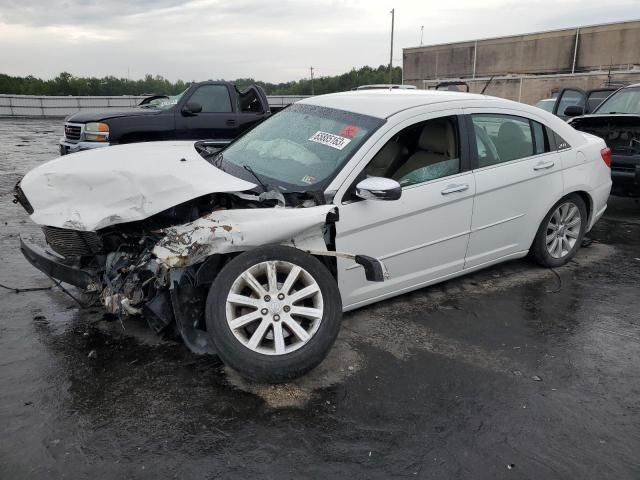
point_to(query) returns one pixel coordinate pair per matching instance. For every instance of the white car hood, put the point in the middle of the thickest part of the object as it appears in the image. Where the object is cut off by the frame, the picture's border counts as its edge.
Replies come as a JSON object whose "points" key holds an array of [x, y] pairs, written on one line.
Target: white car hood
{"points": [[97, 188]]}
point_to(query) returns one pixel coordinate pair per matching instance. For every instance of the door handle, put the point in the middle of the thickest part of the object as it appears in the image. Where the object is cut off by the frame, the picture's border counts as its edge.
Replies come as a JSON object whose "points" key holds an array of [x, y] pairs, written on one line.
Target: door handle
{"points": [[454, 189], [231, 122], [543, 166]]}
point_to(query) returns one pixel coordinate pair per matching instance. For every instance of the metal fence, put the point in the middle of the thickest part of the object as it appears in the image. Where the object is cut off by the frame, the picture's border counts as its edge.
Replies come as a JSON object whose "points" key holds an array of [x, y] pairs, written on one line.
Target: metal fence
{"points": [[61, 106]]}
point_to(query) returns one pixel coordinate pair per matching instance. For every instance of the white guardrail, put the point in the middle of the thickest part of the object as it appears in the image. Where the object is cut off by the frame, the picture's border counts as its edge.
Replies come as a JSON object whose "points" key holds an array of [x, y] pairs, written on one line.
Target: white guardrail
{"points": [[61, 106]]}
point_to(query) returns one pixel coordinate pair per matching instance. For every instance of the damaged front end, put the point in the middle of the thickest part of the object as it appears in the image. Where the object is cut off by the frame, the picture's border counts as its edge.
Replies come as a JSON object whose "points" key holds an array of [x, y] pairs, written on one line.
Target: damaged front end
{"points": [[162, 269]]}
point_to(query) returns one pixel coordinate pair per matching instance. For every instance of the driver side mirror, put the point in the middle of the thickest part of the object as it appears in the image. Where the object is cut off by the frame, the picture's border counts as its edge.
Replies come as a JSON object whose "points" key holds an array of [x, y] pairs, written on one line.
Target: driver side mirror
{"points": [[574, 111], [191, 108], [378, 188]]}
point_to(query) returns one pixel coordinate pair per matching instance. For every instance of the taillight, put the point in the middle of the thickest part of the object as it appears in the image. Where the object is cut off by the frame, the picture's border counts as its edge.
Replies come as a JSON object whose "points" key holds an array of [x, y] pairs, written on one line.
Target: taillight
{"points": [[606, 156]]}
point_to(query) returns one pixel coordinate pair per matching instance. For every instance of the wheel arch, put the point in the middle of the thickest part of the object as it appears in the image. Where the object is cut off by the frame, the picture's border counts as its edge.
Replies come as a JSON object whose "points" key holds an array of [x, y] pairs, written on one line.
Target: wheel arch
{"points": [[588, 201], [586, 198]]}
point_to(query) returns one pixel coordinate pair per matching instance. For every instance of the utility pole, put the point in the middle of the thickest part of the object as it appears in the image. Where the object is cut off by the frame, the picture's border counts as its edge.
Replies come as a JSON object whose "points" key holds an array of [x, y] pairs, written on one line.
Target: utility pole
{"points": [[393, 13], [312, 92], [421, 34]]}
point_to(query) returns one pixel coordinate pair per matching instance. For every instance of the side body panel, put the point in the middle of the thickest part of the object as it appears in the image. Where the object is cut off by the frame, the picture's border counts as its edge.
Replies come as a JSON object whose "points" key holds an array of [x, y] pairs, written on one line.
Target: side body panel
{"points": [[142, 128], [511, 199]]}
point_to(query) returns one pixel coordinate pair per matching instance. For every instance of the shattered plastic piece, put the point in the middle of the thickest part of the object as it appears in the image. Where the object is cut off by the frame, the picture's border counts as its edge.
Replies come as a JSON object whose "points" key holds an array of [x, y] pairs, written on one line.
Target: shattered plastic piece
{"points": [[537, 378], [93, 354], [227, 231], [119, 303]]}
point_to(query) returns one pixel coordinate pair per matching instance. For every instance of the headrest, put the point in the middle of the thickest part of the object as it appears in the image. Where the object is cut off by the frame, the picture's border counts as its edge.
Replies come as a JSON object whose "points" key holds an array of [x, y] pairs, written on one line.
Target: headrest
{"points": [[510, 132], [390, 151], [437, 137]]}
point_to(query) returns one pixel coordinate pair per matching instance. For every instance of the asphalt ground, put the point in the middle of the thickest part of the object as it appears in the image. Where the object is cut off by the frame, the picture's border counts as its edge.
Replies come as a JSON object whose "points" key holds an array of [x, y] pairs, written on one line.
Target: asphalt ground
{"points": [[513, 372]]}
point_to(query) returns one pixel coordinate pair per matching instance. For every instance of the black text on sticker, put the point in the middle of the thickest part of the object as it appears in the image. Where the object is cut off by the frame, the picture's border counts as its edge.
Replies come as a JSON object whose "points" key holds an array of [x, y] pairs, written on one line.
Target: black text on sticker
{"points": [[331, 140]]}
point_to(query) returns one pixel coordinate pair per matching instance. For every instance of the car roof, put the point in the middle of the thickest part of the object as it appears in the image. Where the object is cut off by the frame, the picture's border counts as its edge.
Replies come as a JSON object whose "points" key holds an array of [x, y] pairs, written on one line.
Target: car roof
{"points": [[385, 103]]}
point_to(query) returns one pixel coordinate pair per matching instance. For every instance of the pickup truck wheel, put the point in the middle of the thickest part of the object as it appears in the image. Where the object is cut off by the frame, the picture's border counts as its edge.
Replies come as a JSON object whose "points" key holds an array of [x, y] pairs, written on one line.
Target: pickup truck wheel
{"points": [[561, 232], [273, 313]]}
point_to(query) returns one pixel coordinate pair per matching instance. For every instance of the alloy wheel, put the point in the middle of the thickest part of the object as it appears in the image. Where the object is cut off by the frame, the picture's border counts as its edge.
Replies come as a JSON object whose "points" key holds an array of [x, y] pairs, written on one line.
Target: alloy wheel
{"points": [[274, 307], [563, 230]]}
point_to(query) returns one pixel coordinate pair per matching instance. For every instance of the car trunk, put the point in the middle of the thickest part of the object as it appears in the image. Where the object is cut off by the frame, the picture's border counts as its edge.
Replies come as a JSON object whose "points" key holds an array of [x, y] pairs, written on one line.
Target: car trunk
{"points": [[621, 133]]}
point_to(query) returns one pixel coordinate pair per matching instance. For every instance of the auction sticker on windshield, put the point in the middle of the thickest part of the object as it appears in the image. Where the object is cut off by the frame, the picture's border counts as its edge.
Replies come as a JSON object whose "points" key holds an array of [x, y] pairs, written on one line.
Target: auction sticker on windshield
{"points": [[329, 139]]}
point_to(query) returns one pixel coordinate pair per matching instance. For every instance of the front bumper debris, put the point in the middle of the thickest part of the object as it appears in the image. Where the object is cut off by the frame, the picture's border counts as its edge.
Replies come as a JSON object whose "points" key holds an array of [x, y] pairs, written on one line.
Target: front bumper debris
{"points": [[58, 267], [67, 147]]}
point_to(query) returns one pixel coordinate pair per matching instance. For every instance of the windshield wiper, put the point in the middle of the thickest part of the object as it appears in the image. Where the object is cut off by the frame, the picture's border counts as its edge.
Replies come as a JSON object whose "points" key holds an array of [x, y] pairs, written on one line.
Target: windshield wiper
{"points": [[217, 162], [252, 172]]}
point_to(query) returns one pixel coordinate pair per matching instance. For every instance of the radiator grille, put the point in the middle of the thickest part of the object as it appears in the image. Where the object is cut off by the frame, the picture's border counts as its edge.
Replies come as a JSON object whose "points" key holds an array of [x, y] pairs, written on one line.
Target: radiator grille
{"points": [[69, 243], [72, 132]]}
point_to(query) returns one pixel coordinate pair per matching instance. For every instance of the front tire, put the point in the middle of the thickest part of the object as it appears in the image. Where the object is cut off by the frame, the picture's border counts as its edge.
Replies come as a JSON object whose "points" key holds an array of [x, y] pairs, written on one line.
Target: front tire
{"points": [[273, 313], [561, 232]]}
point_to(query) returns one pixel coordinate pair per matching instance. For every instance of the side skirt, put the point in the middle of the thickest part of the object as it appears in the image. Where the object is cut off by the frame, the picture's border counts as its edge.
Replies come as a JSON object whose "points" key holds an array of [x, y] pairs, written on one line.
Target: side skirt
{"points": [[511, 256]]}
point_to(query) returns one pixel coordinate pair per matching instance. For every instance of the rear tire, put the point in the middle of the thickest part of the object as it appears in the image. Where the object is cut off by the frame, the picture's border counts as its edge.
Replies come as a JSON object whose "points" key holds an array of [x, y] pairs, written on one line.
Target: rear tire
{"points": [[561, 232], [273, 313]]}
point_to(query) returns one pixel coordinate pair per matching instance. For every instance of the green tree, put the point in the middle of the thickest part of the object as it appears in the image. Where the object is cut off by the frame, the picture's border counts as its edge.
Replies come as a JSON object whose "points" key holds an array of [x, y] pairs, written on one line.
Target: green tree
{"points": [[66, 84]]}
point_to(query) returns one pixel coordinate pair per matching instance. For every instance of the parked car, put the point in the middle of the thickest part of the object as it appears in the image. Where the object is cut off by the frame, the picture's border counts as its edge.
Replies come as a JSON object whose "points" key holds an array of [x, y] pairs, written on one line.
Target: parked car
{"points": [[337, 202], [574, 99], [207, 110], [546, 104], [617, 121]]}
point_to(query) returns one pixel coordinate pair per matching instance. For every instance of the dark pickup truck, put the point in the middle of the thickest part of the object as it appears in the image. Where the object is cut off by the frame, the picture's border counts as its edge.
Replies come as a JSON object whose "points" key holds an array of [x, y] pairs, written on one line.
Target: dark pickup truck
{"points": [[216, 111], [617, 121]]}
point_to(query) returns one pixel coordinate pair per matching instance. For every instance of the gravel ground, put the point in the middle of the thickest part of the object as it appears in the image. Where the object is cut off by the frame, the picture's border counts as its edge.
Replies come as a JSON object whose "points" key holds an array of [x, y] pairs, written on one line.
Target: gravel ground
{"points": [[512, 372]]}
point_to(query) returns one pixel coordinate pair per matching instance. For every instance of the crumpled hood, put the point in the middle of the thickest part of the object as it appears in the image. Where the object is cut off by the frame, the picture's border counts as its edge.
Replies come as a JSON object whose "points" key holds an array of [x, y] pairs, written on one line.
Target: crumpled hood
{"points": [[98, 188]]}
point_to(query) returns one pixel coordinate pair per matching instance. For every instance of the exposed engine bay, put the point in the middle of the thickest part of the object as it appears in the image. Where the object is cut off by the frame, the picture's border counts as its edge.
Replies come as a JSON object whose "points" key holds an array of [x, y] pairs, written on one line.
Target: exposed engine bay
{"points": [[162, 267]]}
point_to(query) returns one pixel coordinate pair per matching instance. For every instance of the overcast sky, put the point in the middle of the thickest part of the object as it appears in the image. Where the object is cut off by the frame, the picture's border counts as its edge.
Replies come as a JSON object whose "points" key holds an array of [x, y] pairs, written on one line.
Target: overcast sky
{"points": [[271, 40]]}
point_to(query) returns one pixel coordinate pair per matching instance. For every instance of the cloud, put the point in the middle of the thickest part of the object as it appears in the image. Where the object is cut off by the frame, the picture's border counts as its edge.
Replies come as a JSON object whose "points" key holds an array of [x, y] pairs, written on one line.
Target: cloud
{"points": [[273, 41], [74, 12]]}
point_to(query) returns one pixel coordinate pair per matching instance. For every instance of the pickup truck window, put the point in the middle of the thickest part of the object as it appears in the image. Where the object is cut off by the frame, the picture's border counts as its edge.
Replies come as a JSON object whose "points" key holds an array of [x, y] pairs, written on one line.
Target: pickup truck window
{"points": [[164, 103], [213, 98]]}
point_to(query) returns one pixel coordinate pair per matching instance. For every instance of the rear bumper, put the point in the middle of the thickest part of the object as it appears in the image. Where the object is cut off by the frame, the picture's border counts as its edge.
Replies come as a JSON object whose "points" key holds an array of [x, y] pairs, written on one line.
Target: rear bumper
{"points": [[57, 267], [68, 147]]}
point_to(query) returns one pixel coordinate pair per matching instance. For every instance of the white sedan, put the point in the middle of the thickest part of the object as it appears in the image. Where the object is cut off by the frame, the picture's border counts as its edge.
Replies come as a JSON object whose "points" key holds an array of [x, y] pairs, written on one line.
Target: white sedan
{"points": [[339, 201]]}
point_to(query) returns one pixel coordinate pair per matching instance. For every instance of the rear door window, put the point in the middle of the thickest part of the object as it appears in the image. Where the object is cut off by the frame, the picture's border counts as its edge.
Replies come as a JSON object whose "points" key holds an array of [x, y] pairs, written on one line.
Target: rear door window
{"points": [[502, 138]]}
